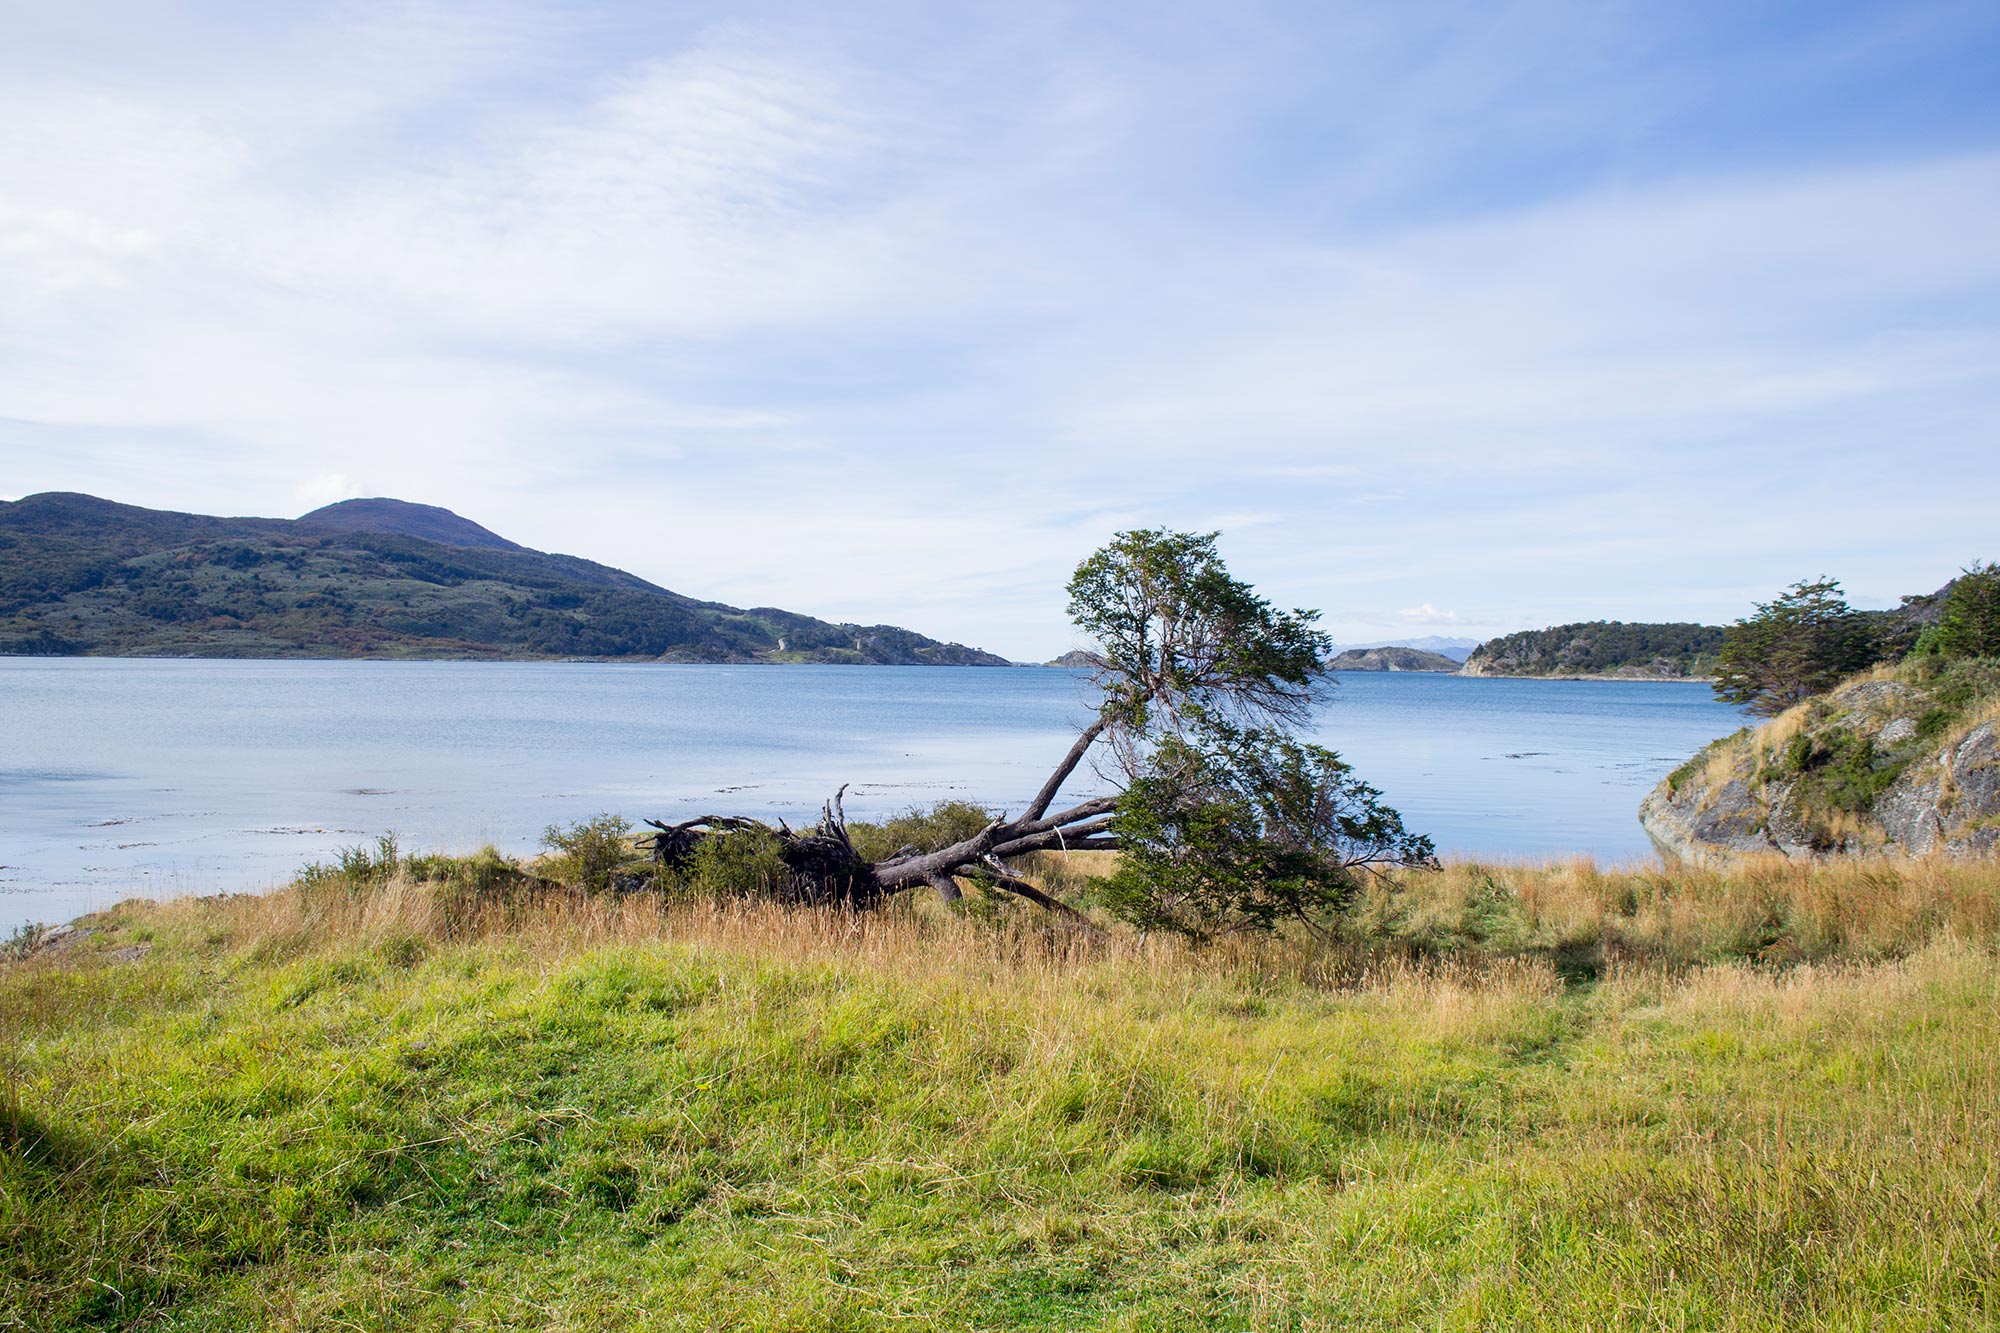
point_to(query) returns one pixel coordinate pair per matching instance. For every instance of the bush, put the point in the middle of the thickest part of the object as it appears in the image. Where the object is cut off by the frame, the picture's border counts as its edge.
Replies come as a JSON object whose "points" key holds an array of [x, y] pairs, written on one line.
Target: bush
{"points": [[740, 863], [354, 869], [485, 871], [930, 830], [589, 852]]}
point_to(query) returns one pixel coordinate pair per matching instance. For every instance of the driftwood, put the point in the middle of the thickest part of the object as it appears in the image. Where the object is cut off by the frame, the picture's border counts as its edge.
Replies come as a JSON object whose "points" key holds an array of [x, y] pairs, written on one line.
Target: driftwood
{"points": [[823, 869]]}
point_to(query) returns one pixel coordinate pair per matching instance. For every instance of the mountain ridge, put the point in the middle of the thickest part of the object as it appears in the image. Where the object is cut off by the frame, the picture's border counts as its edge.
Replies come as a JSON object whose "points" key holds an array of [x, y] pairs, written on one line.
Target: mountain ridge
{"points": [[425, 522], [81, 575]]}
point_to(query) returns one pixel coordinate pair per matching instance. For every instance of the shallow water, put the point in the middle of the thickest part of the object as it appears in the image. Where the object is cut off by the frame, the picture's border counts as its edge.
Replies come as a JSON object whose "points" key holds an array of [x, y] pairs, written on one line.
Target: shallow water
{"points": [[123, 777]]}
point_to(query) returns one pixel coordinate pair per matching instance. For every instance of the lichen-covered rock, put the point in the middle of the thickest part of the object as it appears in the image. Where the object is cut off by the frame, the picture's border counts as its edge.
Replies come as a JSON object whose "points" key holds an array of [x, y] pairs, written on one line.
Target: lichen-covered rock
{"points": [[1904, 761]]}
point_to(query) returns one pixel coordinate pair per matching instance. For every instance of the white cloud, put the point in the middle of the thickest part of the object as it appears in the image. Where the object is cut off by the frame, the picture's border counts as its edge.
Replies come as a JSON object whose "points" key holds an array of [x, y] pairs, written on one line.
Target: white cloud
{"points": [[56, 248], [1428, 615]]}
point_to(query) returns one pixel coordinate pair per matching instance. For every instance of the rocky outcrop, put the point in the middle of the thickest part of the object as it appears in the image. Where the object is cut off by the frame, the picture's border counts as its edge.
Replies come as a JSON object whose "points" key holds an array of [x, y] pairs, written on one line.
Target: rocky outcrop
{"points": [[1391, 659], [1902, 761]]}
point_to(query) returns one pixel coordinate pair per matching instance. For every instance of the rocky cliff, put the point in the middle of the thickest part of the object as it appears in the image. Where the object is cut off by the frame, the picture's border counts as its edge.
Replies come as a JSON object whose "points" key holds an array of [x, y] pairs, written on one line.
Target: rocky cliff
{"points": [[1903, 760]]}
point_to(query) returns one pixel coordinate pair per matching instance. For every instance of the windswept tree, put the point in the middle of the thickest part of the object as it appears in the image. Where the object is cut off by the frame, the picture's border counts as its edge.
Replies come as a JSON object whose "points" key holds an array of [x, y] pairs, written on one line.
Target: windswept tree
{"points": [[1801, 643], [1228, 821]]}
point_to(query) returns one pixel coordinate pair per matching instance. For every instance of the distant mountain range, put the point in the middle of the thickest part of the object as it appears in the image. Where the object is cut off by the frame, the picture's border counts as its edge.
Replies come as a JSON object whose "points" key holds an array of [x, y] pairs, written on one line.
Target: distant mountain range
{"points": [[372, 578]]}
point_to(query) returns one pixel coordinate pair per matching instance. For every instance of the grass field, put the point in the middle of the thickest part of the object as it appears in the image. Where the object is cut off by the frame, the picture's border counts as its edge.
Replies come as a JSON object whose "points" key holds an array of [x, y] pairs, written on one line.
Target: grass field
{"points": [[1517, 1097]]}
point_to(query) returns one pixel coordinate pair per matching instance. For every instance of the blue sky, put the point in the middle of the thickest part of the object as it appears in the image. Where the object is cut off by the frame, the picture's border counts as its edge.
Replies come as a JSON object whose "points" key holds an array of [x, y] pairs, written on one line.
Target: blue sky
{"points": [[1453, 318]]}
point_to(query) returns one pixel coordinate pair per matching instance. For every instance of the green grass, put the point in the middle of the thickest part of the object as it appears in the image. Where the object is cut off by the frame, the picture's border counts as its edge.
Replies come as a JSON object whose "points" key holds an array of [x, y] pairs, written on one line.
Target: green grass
{"points": [[556, 1111]]}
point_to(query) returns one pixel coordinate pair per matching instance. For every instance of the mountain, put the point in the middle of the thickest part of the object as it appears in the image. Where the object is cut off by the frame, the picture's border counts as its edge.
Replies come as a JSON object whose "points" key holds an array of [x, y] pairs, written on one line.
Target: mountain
{"points": [[1609, 648], [424, 522], [1456, 649], [371, 578], [1392, 658]]}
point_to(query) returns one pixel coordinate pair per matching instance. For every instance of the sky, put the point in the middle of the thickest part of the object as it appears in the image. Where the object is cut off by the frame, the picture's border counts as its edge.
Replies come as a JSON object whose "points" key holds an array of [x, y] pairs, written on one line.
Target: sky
{"points": [[1452, 319]]}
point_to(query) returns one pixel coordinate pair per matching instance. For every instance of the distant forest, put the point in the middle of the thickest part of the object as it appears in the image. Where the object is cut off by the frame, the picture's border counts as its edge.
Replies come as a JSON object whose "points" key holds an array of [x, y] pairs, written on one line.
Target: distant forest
{"points": [[1601, 647]]}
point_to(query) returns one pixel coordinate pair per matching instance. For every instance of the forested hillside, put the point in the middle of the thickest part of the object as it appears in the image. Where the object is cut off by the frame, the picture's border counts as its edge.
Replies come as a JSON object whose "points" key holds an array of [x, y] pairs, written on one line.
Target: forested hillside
{"points": [[1601, 648], [80, 575]]}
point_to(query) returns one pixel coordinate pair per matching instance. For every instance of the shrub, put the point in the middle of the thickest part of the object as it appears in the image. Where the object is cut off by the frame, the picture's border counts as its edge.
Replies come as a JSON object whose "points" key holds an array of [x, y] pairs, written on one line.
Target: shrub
{"points": [[589, 852], [485, 871], [354, 869], [741, 863], [927, 830]]}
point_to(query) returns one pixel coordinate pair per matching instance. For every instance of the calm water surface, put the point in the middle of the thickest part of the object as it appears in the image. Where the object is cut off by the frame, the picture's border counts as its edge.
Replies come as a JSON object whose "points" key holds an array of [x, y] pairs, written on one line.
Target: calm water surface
{"points": [[154, 777]]}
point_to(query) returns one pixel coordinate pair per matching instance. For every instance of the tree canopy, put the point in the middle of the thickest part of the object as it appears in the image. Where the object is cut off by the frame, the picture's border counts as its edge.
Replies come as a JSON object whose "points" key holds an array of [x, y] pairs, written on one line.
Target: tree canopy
{"points": [[1969, 623], [1801, 643]]}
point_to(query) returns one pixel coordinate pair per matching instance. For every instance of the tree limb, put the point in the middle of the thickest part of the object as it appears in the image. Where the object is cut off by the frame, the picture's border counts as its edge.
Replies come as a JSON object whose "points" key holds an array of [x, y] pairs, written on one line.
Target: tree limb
{"points": [[1047, 795]]}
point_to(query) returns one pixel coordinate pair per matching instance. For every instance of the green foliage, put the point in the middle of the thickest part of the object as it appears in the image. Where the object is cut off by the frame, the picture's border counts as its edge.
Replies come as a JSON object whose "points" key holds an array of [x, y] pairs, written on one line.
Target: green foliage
{"points": [[354, 870], [1227, 823], [1251, 831], [589, 852], [1696, 762], [458, 881], [1841, 769], [1802, 643], [485, 871], [738, 863], [1969, 623], [1181, 640], [1600, 647], [926, 829], [1957, 684]]}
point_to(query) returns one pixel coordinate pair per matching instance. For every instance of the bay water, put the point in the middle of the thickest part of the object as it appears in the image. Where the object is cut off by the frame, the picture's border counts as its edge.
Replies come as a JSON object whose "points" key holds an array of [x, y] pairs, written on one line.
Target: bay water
{"points": [[154, 777]]}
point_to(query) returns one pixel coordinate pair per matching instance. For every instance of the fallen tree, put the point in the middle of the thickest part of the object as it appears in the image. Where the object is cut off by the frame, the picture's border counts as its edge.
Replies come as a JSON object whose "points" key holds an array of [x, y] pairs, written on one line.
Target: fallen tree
{"points": [[1202, 687]]}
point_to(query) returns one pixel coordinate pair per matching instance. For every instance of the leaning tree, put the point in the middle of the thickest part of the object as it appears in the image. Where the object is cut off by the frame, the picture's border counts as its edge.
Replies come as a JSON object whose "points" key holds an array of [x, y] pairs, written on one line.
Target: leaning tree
{"points": [[1202, 687]]}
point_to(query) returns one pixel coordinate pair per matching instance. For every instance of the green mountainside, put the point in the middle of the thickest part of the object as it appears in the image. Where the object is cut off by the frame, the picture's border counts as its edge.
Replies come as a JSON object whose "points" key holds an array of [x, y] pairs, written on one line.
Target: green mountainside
{"points": [[1601, 648], [371, 578]]}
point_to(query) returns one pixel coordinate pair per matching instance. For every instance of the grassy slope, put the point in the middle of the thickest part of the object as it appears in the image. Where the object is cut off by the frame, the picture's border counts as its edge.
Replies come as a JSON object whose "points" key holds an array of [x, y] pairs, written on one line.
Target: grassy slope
{"points": [[566, 1113]]}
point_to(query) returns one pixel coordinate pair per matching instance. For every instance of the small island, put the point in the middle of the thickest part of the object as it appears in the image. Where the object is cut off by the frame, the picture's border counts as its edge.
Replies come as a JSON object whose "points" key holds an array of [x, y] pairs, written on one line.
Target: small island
{"points": [[1391, 659], [1601, 650]]}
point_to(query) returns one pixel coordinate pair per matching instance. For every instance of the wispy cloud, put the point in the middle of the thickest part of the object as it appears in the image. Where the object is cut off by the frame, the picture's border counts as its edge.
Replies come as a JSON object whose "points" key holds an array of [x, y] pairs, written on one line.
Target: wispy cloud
{"points": [[895, 318]]}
